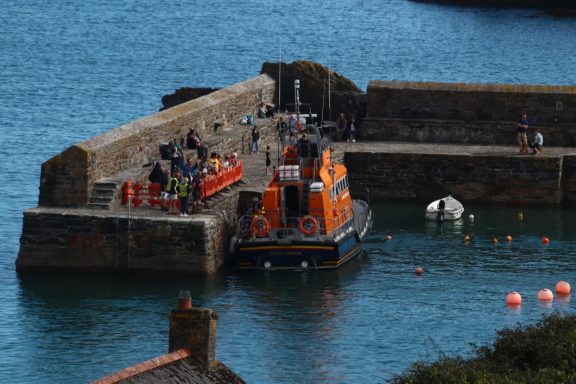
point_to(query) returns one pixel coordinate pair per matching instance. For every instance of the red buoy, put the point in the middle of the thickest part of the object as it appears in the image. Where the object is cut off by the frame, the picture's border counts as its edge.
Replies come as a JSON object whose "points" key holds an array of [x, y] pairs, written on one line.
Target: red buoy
{"points": [[419, 271], [513, 298], [388, 237], [563, 288], [545, 240], [545, 295]]}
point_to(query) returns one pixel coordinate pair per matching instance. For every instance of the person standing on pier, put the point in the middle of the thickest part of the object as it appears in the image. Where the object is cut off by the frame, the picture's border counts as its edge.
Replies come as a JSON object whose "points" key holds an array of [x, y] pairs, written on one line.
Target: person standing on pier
{"points": [[268, 160], [281, 129], [537, 143], [341, 124], [255, 139], [172, 190], [521, 130], [183, 191], [352, 130]]}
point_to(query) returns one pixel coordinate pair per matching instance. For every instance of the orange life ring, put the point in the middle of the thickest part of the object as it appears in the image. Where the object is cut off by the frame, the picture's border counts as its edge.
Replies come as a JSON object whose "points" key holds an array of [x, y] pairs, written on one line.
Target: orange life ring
{"points": [[308, 225], [260, 226]]}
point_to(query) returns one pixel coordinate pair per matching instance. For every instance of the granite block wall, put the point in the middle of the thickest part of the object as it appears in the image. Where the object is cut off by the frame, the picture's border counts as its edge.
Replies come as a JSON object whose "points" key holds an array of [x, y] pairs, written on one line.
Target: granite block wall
{"points": [[468, 113], [480, 179], [569, 179], [53, 240]]}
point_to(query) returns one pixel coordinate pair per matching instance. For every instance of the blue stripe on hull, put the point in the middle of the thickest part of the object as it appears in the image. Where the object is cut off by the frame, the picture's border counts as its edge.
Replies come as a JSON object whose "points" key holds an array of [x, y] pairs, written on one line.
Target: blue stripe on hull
{"points": [[291, 256]]}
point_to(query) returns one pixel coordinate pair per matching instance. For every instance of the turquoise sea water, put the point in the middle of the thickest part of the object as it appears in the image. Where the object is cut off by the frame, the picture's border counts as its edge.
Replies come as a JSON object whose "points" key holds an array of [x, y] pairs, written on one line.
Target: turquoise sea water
{"points": [[70, 70]]}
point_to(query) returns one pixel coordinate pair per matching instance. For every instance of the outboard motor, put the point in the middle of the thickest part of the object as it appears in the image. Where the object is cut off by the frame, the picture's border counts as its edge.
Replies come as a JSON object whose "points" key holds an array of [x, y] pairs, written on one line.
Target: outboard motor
{"points": [[441, 206]]}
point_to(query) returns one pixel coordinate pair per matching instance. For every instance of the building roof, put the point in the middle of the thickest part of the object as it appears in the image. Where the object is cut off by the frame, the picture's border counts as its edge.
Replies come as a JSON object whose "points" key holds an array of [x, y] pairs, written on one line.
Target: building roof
{"points": [[178, 367]]}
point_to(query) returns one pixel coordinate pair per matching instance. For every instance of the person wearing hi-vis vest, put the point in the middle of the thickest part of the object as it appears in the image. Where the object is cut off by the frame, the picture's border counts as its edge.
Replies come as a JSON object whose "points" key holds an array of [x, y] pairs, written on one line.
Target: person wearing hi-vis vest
{"points": [[172, 190], [183, 192]]}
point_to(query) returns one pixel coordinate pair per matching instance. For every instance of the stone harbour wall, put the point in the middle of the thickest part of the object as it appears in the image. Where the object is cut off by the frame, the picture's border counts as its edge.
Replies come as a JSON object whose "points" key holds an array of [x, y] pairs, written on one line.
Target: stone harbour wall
{"points": [[56, 240], [468, 113], [68, 178], [480, 179], [569, 179]]}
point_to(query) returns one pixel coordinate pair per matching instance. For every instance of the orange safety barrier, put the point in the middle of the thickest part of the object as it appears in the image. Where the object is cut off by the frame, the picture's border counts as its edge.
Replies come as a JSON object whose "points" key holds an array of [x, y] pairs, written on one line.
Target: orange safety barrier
{"points": [[137, 200], [127, 191], [154, 194], [210, 185], [215, 183]]}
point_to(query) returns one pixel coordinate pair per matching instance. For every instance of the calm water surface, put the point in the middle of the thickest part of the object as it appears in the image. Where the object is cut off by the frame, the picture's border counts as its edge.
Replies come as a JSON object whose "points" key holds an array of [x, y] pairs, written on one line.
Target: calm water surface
{"points": [[72, 69]]}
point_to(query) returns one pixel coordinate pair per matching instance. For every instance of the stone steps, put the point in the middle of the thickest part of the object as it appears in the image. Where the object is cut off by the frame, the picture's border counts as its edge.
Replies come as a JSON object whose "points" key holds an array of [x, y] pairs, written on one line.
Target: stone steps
{"points": [[103, 195]]}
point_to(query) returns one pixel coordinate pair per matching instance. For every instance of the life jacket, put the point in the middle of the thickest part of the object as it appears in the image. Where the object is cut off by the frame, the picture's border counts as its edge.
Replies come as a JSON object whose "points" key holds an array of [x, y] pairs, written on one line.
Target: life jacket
{"points": [[215, 163], [183, 188], [171, 186]]}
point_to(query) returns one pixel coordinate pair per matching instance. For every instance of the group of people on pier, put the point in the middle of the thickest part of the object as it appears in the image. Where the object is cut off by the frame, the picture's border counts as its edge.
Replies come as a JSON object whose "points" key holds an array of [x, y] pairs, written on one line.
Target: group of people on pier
{"points": [[347, 129], [182, 183], [522, 137]]}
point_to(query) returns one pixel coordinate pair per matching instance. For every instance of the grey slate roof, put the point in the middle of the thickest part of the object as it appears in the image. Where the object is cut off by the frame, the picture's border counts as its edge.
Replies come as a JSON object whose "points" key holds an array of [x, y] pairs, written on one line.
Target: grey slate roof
{"points": [[186, 371]]}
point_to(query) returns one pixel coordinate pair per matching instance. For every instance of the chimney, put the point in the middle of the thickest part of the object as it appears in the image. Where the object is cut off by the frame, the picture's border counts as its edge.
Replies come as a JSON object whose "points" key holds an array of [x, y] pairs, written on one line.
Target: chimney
{"points": [[193, 328]]}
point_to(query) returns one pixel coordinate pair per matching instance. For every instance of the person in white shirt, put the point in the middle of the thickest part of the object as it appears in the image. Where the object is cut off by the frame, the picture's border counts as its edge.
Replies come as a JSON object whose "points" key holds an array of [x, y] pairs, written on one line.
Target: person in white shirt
{"points": [[537, 143]]}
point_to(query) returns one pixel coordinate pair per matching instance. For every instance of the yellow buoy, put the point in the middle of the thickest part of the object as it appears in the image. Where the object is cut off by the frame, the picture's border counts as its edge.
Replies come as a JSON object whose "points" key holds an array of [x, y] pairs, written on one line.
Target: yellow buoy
{"points": [[508, 238], [520, 216], [466, 238]]}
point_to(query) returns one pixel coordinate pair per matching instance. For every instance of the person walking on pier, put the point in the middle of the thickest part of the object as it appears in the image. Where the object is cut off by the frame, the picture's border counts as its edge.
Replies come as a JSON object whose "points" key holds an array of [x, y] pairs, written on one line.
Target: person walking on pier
{"points": [[521, 130]]}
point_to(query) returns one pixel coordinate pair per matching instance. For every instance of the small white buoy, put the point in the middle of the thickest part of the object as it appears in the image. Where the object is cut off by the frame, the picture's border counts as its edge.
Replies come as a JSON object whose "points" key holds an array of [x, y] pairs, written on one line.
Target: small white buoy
{"points": [[471, 217]]}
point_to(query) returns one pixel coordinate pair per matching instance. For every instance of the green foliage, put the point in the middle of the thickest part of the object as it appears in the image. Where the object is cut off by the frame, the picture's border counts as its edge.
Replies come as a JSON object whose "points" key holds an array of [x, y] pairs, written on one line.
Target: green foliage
{"points": [[539, 354]]}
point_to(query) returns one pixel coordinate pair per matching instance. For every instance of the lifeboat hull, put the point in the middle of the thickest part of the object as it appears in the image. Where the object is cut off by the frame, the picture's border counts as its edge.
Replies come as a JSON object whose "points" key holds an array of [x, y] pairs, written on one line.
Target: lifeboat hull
{"points": [[297, 255], [303, 254]]}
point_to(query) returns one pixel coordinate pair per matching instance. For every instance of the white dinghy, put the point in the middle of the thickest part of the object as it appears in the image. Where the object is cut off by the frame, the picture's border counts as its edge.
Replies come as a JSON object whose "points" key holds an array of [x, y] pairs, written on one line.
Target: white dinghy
{"points": [[446, 209]]}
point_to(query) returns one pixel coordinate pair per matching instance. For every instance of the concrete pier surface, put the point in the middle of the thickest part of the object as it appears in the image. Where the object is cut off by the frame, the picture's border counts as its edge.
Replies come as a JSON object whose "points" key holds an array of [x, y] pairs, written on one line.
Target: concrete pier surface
{"points": [[447, 149]]}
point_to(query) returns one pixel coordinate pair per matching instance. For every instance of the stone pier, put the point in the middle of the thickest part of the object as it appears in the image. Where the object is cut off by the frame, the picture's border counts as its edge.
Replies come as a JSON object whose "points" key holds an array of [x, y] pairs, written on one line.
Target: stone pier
{"points": [[421, 141]]}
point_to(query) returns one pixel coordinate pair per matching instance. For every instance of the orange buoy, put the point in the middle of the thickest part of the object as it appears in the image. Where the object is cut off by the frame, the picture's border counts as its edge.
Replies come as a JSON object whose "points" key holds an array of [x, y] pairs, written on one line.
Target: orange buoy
{"points": [[563, 288], [513, 298], [545, 295], [466, 237], [545, 240], [494, 240], [508, 238], [419, 271], [388, 237]]}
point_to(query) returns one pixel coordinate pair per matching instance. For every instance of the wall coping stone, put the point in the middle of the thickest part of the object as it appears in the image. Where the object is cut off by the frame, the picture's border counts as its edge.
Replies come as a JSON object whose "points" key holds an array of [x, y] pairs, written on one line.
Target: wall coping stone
{"points": [[373, 85]]}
